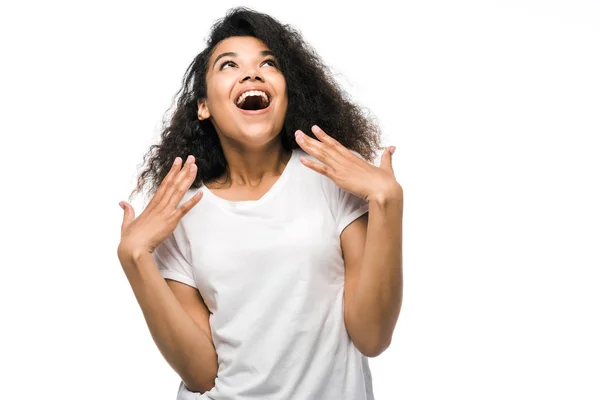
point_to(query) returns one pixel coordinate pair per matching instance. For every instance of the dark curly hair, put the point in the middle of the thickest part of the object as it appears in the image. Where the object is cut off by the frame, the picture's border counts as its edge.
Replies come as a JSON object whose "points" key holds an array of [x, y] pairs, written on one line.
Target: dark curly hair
{"points": [[314, 97]]}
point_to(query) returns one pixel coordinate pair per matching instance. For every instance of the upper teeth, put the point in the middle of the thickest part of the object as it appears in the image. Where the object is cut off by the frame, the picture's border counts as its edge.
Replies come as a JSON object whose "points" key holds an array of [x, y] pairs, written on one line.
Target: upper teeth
{"points": [[243, 96]]}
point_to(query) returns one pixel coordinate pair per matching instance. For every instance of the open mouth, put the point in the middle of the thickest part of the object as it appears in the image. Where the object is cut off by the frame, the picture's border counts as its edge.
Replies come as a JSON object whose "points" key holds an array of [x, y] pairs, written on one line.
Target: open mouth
{"points": [[253, 100]]}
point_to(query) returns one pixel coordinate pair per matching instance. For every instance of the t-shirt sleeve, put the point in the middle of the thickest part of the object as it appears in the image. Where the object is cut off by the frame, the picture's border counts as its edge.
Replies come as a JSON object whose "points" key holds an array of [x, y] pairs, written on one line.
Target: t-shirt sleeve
{"points": [[351, 207], [345, 206], [172, 256]]}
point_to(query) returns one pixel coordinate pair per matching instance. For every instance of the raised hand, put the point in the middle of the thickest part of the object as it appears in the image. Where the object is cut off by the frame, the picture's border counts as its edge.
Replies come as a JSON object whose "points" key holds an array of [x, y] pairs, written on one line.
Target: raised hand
{"points": [[348, 171], [161, 216]]}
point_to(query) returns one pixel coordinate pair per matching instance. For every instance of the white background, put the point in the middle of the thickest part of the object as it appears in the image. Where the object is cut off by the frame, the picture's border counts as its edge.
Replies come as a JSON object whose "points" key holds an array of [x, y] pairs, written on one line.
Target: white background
{"points": [[494, 108]]}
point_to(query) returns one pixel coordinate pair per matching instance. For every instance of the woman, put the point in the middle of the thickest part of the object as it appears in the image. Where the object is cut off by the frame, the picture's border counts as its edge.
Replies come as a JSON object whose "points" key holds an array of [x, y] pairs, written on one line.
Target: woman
{"points": [[275, 286]]}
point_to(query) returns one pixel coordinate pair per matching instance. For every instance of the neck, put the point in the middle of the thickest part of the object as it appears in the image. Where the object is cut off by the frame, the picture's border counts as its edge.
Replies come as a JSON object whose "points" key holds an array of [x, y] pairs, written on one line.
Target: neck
{"points": [[248, 168]]}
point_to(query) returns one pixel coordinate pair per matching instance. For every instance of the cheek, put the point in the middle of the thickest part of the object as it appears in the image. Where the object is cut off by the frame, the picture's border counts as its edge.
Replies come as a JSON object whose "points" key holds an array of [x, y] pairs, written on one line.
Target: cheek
{"points": [[219, 90], [279, 83]]}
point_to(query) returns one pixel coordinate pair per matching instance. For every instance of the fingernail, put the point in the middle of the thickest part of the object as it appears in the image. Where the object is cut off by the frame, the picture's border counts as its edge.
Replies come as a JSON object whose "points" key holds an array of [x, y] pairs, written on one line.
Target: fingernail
{"points": [[392, 150], [121, 205]]}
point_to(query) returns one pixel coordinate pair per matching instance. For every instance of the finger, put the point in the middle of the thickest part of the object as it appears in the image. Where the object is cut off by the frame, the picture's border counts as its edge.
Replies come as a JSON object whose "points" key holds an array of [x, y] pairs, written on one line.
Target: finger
{"points": [[325, 138], [182, 183], [172, 183], [128, 215], [158, 196], [315, 148], [320, 168], [386, 160], [188, 205]]}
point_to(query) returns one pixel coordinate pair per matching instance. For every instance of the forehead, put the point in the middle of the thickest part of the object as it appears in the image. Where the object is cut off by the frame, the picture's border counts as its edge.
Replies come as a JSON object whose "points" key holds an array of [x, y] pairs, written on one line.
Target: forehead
{"points": [[242, 45]]}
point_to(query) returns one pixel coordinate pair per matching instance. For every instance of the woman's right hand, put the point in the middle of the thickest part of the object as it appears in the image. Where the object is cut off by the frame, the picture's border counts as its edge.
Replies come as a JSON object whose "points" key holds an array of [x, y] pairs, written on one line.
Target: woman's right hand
{"points": [[160, 217]]}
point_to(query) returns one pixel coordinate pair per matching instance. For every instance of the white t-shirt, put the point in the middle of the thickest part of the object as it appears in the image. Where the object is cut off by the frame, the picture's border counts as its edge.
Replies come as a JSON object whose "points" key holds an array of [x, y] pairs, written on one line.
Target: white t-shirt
{"points": [[271, 274]]}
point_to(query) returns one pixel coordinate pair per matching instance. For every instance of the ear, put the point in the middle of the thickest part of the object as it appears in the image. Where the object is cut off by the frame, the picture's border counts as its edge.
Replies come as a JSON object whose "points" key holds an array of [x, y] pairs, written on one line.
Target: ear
{"points": [[203, 112]]}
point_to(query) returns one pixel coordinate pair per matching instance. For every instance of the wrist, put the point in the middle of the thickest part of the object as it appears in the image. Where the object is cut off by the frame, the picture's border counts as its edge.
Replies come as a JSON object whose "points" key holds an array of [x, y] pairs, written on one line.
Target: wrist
{"points": [[131, 255], [388, 195]]}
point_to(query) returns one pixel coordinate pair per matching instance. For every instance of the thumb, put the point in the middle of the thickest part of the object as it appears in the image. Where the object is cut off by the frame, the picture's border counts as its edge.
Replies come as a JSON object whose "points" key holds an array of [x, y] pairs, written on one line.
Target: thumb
{"points": [[129, 214], [386, 159]]}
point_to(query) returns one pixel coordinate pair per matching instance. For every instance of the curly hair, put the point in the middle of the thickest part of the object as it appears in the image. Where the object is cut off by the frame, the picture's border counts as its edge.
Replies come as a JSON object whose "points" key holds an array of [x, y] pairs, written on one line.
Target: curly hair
{"points": [[314, 97]]}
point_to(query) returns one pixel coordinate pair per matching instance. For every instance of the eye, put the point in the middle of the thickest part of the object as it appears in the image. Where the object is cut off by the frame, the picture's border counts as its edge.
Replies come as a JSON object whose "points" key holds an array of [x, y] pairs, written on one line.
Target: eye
{"points": [[272, 62], [226, 63]]}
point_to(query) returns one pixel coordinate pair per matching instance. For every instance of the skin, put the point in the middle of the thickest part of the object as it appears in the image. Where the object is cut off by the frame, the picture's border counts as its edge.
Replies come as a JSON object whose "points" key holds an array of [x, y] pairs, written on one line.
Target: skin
{"points": [[251, 144]]}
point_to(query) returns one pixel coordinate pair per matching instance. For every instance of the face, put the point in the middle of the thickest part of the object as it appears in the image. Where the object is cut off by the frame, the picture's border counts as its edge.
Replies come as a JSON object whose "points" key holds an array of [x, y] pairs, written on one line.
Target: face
{"points": [[237, 65]]}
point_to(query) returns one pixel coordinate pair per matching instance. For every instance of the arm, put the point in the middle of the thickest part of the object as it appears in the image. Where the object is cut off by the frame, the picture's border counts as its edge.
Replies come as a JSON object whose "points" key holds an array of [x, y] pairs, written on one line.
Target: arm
{"points": [[183, 340], [373, 259]]}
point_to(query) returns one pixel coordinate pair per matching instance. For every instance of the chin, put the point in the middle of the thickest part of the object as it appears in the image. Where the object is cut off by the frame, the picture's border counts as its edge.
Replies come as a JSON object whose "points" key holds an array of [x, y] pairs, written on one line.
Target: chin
{"points": [[258, 134]]}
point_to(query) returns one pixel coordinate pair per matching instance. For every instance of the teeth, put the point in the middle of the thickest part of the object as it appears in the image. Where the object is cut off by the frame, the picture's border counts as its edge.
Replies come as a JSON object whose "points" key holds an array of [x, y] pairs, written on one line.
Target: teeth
{"points": [[243, 96]]}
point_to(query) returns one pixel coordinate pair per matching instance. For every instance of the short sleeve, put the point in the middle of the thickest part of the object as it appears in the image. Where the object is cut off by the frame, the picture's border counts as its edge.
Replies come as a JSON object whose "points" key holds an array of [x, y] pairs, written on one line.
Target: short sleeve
{"points": [[345, 206], [350, 208], [171, 260]]}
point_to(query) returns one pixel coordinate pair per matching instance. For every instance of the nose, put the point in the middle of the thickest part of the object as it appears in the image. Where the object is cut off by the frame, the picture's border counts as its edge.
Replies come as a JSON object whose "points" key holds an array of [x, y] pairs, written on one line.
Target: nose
{"points": [[252, 74]]}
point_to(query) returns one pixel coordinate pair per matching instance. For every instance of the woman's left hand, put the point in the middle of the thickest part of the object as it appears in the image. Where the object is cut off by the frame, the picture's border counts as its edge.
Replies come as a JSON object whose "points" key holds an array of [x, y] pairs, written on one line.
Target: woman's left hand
{"points": [[347, 170]]}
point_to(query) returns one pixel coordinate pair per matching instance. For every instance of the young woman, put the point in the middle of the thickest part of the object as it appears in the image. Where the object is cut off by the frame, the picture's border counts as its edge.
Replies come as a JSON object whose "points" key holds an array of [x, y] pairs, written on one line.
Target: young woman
{"points": [[253, 263]]}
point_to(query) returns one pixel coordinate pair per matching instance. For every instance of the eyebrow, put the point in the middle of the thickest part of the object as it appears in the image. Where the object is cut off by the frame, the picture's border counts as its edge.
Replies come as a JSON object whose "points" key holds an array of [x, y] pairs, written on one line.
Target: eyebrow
{"points": [[262, 53]]}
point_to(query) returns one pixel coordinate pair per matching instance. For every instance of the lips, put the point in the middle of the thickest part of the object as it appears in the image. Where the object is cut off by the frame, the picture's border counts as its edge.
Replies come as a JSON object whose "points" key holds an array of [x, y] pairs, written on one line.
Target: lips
{"points": [[254, 101], [255, 89]]}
